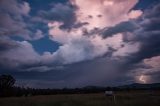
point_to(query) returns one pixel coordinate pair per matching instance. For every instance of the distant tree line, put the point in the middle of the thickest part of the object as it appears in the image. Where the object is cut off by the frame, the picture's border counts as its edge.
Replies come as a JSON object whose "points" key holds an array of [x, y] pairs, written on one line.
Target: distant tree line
{"points": [[7, 89]]}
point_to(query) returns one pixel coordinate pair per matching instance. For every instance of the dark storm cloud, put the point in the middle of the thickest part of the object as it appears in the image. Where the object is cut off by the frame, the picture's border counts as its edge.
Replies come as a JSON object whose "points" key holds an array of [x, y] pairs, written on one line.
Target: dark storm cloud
{"points": [[148, 34], [128, 26], [77, 75]]}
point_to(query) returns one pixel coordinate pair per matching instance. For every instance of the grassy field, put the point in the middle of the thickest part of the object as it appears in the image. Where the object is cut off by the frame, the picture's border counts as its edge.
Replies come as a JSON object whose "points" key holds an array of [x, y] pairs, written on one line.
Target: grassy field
{"points": [[138, 98]]}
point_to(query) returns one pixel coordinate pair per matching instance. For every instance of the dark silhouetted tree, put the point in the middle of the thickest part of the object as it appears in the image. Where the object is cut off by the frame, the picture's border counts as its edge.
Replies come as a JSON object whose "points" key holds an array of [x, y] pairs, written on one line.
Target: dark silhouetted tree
{"points": [[6, 85]]}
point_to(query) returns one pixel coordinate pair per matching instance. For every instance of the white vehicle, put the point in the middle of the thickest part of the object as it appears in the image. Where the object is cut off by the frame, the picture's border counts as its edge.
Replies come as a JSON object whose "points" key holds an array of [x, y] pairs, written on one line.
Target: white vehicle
{"points": [[109, 93]]}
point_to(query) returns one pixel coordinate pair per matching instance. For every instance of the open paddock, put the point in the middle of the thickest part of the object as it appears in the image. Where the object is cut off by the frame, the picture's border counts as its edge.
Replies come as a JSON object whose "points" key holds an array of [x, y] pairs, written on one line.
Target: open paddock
{"points": [[123, 98]]}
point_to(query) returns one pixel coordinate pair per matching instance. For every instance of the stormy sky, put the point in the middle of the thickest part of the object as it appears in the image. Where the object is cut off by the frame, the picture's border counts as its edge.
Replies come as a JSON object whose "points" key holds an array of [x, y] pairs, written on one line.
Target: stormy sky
{"points": [[77, 43]]}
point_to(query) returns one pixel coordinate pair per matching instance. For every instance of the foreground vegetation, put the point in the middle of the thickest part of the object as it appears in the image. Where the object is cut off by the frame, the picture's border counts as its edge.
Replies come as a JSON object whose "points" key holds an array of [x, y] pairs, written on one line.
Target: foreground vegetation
{"points": [[123, 98]]}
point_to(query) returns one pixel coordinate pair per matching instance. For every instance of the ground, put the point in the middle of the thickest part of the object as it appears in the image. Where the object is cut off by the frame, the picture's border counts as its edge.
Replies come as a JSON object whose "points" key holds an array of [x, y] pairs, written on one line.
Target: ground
{"points": [[127, 98]]}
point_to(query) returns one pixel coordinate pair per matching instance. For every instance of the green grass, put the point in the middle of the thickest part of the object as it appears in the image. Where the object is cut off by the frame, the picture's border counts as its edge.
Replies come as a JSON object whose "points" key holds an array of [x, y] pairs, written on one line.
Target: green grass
{"points": [[136, 98]]}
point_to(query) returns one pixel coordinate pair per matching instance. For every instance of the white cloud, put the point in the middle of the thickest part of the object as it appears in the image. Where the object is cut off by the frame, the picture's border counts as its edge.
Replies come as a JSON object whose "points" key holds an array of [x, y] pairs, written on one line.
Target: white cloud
{"points": [[134, 14], [126, 49], [153, 62], [26, 8], [105, 13], [78, 47]]}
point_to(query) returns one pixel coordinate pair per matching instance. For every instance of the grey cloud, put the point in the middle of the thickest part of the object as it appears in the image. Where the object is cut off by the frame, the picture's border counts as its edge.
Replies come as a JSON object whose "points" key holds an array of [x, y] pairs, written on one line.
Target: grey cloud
{"points": [[5, 45], [21, 56], [15, 20], [14, 7], [15, 54], [8, 25], [60, 12], [128, 26]]}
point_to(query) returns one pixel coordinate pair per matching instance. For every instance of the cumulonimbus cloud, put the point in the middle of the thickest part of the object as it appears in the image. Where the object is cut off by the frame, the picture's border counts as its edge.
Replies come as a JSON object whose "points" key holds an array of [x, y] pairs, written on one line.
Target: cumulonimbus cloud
{"points": [[82, 42], [78, 46]]}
